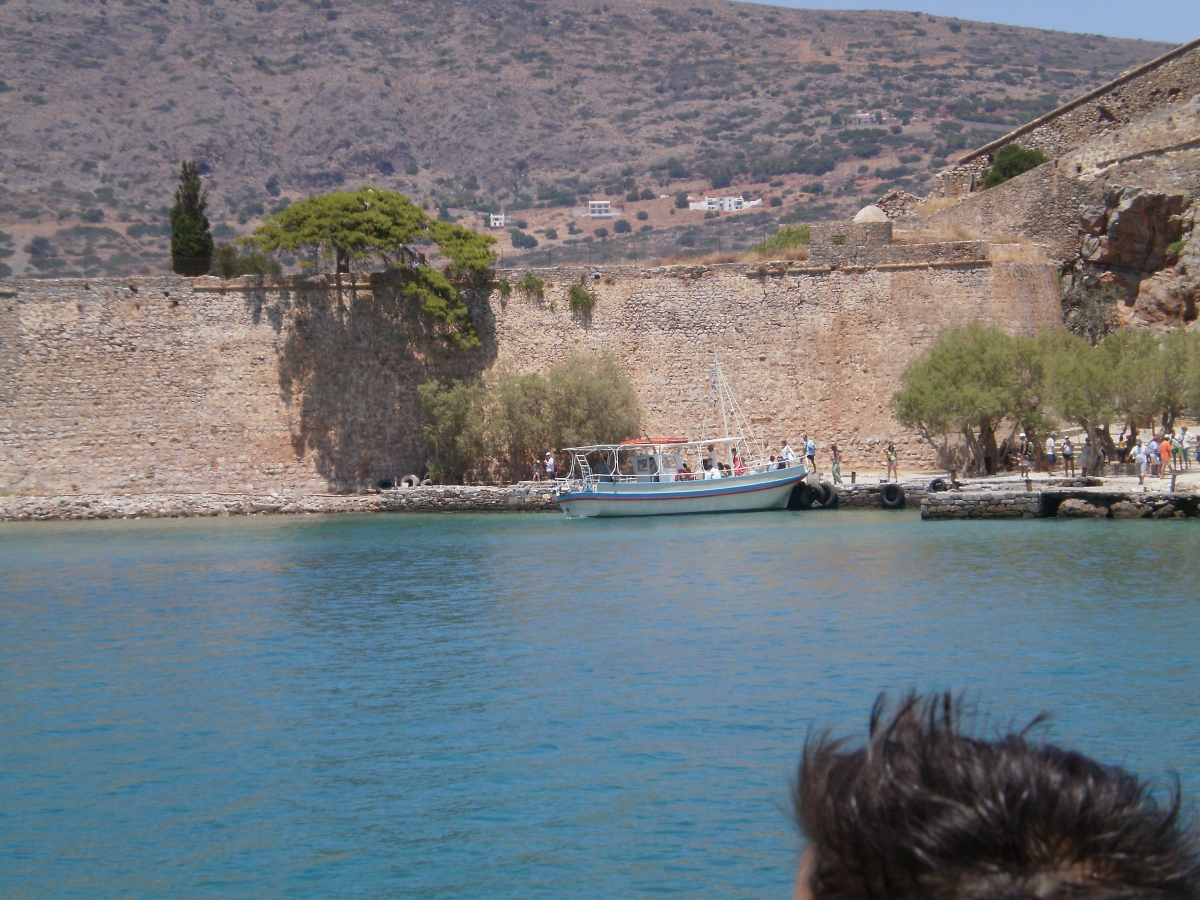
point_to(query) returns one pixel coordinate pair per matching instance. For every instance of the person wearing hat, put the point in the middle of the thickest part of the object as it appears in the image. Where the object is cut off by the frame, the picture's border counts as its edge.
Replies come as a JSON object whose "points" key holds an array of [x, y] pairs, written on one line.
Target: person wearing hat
{"points": [[549, 465]]}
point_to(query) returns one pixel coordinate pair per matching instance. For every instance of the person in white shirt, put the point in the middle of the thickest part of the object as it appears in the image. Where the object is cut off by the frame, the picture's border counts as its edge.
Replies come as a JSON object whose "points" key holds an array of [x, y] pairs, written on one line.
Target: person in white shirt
{"points": [[549, 466], [711, 472], [1050, 458], [789, 455], [1188, 444], [1139, 459]]}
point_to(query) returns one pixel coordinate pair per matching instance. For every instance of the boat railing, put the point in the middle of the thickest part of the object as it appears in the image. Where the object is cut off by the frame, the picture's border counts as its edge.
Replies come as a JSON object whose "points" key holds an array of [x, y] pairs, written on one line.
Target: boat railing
{"points": [[593, 478]]}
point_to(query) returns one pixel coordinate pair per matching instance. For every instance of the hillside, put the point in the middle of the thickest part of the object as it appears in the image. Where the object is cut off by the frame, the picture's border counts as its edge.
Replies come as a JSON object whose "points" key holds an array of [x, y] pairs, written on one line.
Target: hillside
{"points": [[524, 105]]}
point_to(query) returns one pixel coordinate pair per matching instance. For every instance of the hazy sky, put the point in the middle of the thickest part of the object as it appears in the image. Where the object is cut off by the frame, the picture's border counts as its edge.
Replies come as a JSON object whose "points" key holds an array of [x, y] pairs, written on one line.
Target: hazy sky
{"points": [[1175, 21]]}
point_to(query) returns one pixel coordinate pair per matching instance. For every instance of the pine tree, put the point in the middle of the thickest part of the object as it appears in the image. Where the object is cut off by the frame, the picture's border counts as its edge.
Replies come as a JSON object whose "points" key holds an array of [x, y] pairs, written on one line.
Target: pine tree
{"points": [[191, 243]]}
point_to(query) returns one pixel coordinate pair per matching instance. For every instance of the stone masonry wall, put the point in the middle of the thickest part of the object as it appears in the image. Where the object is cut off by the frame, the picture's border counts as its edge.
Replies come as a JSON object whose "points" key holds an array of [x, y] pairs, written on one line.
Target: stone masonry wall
{"points": [[1172, 78], [143, 386]]}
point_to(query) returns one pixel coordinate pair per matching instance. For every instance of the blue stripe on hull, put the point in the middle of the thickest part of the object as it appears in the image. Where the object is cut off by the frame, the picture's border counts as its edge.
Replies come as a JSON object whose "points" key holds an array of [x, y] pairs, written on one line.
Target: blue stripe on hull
{"points": [[670, 499]]}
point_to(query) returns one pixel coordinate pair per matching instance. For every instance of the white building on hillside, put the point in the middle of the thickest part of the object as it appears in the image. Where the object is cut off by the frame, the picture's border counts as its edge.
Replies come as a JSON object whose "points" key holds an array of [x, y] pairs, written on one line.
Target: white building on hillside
{"points": [[602, 209], [862, 118], [725, 204], [499, 221]]}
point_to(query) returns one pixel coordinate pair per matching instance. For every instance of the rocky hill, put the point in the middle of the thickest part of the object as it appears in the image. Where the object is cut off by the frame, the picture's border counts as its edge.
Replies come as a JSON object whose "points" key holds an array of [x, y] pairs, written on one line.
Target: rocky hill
{"points": [[527, 105]]}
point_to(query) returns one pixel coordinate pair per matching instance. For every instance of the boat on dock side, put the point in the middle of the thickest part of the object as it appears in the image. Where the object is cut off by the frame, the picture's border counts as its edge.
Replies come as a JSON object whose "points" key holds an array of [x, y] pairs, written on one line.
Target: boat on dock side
{"points": [[675, 476]]}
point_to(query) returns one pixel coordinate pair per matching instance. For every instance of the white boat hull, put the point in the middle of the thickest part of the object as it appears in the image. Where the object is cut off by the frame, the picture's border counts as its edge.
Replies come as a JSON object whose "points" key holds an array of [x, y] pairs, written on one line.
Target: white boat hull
{"points": [[743, 493]]}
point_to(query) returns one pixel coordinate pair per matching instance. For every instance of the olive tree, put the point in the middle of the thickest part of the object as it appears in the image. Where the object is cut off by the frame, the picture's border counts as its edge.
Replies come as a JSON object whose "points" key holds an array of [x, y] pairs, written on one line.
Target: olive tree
{"points": [[965, 385], [516, 417]]}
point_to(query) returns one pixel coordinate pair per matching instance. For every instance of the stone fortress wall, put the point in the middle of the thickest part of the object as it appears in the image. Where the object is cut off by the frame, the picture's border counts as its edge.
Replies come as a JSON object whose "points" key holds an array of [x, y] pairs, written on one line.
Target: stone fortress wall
{"points": [[1172, 78], [148, 385]]}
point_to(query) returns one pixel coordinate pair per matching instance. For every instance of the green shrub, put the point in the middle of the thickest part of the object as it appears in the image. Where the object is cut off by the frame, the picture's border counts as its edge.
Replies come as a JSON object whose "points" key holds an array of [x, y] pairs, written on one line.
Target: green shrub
{"points": [[505, 290], [642, 215], [580, 300], [1176, 248], [516, 417], [622, 227], [229, 262], [455, 427], [785, 238], [521, 240], [1009, 162], [532, 287]]}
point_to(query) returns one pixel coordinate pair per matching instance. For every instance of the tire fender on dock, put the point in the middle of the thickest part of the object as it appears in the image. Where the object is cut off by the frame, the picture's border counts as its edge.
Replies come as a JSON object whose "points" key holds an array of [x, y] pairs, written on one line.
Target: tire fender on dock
{"points": [[892, 496]]}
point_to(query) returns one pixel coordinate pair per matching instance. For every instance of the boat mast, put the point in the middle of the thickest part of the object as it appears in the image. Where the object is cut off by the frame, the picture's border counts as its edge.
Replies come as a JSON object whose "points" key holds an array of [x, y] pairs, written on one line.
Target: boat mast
{"points": [[718, 378]]}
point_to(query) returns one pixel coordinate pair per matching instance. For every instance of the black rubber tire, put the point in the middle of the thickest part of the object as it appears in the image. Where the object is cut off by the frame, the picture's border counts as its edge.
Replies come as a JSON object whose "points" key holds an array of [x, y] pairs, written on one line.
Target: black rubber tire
{"points": [[801, 497], [892, 496], [820, 494], [427, 482], [938, 485], [410, 481], [831, 496]]}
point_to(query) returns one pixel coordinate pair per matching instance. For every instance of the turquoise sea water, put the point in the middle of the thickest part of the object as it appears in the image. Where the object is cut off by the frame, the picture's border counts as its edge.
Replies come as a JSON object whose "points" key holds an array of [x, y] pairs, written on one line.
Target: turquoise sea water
{"points": [[526, 707]]}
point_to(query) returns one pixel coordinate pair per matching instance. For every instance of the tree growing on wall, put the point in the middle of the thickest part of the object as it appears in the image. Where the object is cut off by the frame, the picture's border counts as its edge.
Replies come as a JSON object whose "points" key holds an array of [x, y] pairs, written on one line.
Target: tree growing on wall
{"points": [[191, 242], [371, 227]]}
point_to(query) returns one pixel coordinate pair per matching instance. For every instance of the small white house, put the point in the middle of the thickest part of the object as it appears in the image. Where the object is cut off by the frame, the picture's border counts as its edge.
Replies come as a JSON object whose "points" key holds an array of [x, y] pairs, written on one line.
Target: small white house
{"points": [[862, 118], [602, 209], [725, 204], [499, 221]]}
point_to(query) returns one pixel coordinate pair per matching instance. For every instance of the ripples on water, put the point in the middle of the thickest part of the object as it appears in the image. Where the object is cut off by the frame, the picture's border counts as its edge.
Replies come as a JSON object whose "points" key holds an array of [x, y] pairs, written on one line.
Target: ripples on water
{"points": [[521, 706]]}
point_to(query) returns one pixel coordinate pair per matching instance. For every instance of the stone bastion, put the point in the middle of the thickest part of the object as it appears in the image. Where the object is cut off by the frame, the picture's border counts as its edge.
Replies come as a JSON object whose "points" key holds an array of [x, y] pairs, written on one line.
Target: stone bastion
{"points": [[153, 385]]}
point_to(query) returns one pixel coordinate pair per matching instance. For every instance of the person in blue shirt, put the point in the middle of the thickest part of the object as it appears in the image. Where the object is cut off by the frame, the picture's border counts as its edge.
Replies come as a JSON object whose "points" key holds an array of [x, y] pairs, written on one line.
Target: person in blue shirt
{"points": [[810, 450]]}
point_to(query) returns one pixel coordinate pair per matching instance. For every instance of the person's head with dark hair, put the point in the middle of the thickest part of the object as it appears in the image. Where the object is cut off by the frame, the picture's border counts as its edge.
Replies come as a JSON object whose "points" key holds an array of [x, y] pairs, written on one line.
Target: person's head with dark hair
{"points": [[928, 810]]}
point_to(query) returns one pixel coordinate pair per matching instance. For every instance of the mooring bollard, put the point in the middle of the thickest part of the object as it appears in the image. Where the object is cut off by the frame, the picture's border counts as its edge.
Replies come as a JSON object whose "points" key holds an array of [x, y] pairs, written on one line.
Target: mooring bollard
{"points": [[853, 477]]}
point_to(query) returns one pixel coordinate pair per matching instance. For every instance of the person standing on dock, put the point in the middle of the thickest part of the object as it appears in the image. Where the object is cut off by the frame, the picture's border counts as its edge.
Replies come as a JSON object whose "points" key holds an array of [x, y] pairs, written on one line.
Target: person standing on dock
{"points": [[550, 465], [1068, 455], [836, 456], [810, 451], [1050, 457], [1152, 456], [893, 470], [1188, 444], [1141, 459]]}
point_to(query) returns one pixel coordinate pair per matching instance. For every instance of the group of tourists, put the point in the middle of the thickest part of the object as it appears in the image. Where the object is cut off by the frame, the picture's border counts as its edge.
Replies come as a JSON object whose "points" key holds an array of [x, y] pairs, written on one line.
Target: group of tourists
{"points": [[711, 469], [1162, 454]]}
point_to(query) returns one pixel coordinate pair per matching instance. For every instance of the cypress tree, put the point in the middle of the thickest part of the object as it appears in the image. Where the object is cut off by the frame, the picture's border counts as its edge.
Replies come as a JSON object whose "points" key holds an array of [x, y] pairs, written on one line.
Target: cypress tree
{"points": [[191, 243]]}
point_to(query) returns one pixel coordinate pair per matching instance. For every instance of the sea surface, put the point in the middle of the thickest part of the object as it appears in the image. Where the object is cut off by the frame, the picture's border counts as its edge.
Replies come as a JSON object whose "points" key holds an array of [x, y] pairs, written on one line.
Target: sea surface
{"points": [[519, 706]]}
